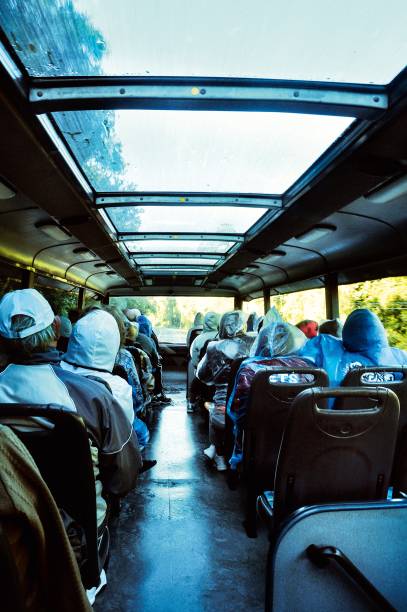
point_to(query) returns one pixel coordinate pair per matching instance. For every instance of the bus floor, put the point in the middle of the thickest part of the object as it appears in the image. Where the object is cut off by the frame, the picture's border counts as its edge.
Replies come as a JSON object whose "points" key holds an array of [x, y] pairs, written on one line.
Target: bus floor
{"points": [[179, 543]]}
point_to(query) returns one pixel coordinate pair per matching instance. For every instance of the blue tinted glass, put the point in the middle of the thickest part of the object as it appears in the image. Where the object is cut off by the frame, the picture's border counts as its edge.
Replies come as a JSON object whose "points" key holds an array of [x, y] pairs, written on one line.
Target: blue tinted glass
{"points": [[344, 41], [207, 151]]}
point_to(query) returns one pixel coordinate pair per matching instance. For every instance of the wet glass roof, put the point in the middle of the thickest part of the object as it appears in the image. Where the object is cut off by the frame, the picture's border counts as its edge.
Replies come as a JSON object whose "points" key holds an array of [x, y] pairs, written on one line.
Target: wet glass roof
{"points": [[207, 151], [179, 246], [229, 147], [184, 219], [346, 41]]}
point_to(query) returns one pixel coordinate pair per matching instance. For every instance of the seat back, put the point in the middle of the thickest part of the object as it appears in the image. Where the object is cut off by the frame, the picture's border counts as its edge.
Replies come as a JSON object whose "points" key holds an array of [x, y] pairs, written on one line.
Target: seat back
{"points": [[390, 377], [62, 454], [229, 439], [373, 536], [272, 393], [336, 455]]}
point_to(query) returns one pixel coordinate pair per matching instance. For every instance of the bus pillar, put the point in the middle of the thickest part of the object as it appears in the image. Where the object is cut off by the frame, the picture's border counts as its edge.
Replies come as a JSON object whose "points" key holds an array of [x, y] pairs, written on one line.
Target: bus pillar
{"points": [[81, 298], [331, 296], [28, 279], [266, 299], [238, 302], [105, 299]]}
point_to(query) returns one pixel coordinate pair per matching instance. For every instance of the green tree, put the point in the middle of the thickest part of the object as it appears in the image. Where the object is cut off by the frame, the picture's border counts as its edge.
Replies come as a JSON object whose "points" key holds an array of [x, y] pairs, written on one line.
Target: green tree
{"points": [[172, 315]]}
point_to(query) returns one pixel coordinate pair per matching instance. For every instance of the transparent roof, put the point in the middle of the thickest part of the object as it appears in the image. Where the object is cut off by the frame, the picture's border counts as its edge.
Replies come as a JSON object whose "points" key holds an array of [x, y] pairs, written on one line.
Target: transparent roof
{"points": [[163, 261], [344, 41], [184, 219], [179, 246], [171, 271], [208, 151]]}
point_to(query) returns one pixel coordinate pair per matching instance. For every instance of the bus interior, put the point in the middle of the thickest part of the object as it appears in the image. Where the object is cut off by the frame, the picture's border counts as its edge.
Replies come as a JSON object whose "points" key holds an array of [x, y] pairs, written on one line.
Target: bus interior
{"points": [[224, 149]]}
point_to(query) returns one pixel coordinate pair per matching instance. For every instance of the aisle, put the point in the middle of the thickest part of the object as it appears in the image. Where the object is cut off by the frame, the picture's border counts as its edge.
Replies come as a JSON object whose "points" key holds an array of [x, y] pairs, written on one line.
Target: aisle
{"points": [[179, 544]]}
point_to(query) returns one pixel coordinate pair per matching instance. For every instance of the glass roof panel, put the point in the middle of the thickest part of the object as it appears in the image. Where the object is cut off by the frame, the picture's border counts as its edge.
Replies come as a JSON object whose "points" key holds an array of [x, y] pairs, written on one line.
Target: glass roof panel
{"points": [[207, 151], [185, 218], [163, 261], [179, 246], [345, 41]]}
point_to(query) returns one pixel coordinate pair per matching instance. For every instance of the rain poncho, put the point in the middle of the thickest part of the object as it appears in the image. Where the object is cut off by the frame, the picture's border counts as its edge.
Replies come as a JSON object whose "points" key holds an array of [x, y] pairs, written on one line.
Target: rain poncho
{"points": [[364, 343], [92, 351], [209, 332], [276, 346], [214, 367], [197, 326], [251, 322], [145, 325]]}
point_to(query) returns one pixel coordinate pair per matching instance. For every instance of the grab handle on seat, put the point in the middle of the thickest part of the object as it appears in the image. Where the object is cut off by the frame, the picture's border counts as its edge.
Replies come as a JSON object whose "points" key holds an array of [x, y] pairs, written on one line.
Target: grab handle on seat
{"points": [[321, 555]]}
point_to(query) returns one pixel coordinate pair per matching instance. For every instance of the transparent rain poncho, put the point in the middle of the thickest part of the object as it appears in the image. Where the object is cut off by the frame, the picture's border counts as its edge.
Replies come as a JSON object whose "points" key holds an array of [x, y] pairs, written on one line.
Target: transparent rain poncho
{"points": [[277, 345], [209, 332]]}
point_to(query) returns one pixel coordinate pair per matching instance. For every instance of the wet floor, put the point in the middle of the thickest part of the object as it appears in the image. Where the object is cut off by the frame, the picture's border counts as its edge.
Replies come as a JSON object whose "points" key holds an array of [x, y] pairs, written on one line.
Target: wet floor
{"points": [[179, 542]]}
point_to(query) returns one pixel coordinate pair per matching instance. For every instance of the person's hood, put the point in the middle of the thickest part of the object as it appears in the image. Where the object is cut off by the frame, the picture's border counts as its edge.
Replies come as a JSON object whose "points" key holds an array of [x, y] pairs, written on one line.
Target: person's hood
{"points": [[278, 339], [132, 313], [198, 321], [94, 342], [231, 324], [144, 325], [211, 322], [364, 333], [272, 316]]}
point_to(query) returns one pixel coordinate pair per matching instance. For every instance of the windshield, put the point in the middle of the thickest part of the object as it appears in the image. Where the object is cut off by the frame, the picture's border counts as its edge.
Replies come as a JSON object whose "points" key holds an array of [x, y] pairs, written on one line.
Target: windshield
{"points": [[172, 317]]}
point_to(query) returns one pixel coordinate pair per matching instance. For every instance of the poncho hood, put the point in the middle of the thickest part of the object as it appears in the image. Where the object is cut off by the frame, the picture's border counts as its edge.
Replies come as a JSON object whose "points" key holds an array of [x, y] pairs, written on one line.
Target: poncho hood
{"points": [[231, 324], [211, 322], [94, 342], [278, 339], [364, 333]]}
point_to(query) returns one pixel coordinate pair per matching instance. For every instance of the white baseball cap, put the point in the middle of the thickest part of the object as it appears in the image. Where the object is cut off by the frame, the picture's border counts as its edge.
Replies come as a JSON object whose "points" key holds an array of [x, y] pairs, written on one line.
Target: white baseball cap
{"points": [[28, 302]]}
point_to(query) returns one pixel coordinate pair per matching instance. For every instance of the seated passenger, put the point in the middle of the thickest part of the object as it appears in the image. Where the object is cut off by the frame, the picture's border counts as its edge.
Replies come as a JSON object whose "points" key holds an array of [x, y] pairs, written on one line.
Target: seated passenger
{"points": [[141, 359], [125, 361], [34, 376], [333, 327], [214, 369], [276, 345], [209, 332], [92, 350], [364, 343], [308, 327], [195, 330], [145, 341], [252, 322]]}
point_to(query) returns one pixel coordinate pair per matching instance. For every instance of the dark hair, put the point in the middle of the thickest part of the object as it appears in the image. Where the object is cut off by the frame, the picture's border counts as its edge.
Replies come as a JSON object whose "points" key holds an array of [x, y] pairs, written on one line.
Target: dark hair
{"points": [[35, 343]]}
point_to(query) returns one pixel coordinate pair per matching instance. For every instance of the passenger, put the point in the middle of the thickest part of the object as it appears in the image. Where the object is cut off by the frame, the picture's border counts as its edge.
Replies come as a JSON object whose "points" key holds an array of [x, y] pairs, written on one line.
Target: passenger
{"points": [[65, 330], [141, 359], [214, 369], [308, 327], [209, 332], [364, 343], [277, 345], [251, 322], [195, 330], [132, 314], [333, 327], [125, 361], [92, 350], [34, 376], [146, 343]]}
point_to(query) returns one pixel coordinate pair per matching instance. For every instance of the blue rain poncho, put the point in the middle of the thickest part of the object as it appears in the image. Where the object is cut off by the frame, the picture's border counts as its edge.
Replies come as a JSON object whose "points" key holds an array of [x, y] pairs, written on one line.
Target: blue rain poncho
{"points": [[145, 325], [364, 343]]}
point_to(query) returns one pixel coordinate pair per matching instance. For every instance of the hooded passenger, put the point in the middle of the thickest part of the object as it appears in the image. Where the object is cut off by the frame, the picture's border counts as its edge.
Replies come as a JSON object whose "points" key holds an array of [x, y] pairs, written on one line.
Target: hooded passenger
{"points": [[214, 369], [33, 375], [196, 329], [364, 343], [251, 322], [277, 345], [333, 327], [92, 351], [209, 332], [132, 314], [308, 327], [65, 330]]}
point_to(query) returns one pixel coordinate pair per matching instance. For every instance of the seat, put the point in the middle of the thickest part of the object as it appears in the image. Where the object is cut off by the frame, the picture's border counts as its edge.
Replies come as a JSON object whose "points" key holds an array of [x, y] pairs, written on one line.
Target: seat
{"points": [[309, 569], [62, 454], [334, 455], [394, 378], [229, 439], [272, 393]]}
